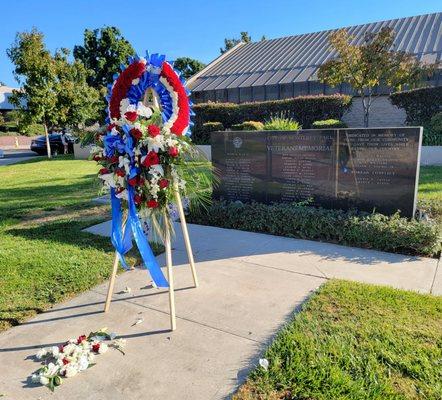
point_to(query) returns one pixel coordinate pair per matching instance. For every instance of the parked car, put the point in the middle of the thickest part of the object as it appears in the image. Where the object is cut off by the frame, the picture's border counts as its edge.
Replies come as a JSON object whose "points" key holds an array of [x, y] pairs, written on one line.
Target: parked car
{"points": [[39, 144]]}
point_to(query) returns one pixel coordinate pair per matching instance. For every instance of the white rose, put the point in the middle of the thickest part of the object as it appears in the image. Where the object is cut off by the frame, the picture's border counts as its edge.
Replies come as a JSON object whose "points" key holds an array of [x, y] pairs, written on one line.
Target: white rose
{"points": [[83, 363], [55, 351], [44, 380], [52, 369], [71, 371], [103, 348], [41, 353]]}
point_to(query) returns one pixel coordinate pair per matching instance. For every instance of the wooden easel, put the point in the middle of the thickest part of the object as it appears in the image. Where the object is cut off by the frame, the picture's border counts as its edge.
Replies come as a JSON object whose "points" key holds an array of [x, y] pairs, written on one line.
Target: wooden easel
{"points": [[168, 247]]}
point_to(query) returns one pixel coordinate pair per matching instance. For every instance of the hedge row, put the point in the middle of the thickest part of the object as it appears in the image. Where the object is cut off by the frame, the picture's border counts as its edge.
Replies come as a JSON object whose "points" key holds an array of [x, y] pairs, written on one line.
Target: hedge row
{"points": [[304, 109], [373, 231], [419, 104]]}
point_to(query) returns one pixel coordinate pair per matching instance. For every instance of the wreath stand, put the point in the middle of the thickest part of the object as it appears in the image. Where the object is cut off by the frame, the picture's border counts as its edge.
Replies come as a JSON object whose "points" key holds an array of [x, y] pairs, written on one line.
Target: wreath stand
{"points": [[168, 248]]}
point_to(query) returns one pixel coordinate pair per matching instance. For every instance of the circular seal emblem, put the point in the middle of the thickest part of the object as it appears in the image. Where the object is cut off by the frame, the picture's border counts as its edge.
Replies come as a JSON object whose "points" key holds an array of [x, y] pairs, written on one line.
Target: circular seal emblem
{"points": [[237, 142]]}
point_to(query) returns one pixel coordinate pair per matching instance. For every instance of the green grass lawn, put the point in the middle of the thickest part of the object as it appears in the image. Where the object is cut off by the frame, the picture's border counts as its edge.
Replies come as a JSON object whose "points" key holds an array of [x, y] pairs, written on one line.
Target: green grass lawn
{"points": [[355, 341], [44, 256], [430, 191]]}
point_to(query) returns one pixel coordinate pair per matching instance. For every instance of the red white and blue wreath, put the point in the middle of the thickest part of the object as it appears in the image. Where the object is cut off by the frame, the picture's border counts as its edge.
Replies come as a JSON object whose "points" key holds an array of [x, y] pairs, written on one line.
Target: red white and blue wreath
{"points": [[144, 149]]}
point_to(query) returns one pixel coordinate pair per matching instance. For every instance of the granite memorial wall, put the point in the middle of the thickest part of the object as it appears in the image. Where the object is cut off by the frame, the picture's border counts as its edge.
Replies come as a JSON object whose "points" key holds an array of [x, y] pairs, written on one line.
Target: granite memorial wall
{"points": [[368, 168]]}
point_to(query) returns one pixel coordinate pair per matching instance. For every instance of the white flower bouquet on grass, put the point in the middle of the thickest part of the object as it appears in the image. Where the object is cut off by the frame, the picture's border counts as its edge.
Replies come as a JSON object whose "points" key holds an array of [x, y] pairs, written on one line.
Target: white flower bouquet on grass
{"points": [[72, 357]]}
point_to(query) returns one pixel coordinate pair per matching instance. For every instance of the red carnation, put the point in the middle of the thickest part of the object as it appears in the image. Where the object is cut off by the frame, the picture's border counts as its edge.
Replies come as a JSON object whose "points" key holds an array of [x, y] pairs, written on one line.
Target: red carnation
{"points": [[163, 183], [173, 152], [110, 127], [81, 338], [120, 172], [152, 204], [103, 171], [153, 130], [133, 181], [96, 157], [131, 116], [151, 159], [138, 199], [113, 159], [136, 133], [96, 347], [65, 361]]}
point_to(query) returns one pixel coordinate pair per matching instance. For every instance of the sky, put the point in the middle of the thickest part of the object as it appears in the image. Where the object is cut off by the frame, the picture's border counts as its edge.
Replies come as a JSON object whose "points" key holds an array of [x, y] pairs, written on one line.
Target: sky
{"points": [[195, 28]]}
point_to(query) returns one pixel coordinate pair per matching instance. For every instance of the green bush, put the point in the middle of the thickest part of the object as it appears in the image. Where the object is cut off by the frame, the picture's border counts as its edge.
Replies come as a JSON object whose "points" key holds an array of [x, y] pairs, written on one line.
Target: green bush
{"points": [[433, 131], [248, 126], [281, 124], [419, 104], [329, 123], [304, 109], [374, 231], [202, 135]]}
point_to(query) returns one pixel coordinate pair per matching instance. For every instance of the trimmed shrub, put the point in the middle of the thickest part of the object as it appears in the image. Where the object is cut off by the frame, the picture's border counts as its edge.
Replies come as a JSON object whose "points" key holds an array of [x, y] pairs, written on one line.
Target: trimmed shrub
{"points": [[248, 126], [281, 124], [419, 104], [202, 135], [304, 109], [433, 131], [329, 123], [373, 231]]}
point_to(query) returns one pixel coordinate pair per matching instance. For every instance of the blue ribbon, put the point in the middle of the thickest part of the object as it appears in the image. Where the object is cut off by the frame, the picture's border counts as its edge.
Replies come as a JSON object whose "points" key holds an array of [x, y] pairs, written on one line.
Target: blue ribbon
{"points": [[123, 243]]}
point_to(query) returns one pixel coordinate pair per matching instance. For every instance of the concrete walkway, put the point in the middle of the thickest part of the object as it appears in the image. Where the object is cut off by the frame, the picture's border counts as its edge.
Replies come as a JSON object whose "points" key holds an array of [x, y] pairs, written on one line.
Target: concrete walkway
{"points": [[250, 284]]}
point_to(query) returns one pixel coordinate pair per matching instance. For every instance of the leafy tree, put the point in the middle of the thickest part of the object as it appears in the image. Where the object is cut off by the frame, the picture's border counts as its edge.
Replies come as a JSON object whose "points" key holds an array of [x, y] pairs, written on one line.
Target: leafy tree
{"points": [[102, 52], [229, 43], [2, 83], [370, 64], [188, 66], [53, 91]]}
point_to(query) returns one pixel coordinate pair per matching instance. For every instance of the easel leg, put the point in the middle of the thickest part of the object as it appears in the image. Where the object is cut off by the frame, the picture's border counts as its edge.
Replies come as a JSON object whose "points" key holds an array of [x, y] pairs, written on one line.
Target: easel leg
{"points": [[110, 289], [169, 274], [186, 235]]}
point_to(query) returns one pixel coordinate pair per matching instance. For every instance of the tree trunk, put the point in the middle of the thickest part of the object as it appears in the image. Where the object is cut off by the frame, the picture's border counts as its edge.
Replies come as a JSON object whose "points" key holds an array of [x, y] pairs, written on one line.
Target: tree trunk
{"points": [[366, 105], [48, 144]]}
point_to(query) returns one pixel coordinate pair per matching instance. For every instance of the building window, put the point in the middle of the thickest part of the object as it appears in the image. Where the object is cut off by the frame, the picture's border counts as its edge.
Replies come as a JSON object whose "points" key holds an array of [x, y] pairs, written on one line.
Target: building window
{"points": [[286, 90], [233, 95], [272, 92], [245, 94], [259, 93]]}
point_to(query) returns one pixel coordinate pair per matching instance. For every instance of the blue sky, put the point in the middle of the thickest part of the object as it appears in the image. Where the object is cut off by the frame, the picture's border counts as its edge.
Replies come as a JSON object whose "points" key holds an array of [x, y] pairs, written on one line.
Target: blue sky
{"points": [[195, 28]]}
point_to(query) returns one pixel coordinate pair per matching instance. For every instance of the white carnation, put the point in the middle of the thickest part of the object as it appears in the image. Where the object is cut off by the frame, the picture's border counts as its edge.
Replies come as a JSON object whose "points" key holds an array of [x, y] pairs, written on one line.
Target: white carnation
{"points": [[41, 353], [44, 380], [71, 370]]}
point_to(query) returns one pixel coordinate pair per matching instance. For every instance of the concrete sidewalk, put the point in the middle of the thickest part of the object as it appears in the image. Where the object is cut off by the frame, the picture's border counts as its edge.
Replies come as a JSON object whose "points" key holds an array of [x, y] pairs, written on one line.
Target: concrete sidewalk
{"points": [[250, 284]]}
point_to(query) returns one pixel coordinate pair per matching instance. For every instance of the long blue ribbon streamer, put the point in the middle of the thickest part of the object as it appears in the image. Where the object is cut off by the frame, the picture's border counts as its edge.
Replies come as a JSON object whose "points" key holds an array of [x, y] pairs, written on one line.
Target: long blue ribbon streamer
{"points": [[124, 244]]}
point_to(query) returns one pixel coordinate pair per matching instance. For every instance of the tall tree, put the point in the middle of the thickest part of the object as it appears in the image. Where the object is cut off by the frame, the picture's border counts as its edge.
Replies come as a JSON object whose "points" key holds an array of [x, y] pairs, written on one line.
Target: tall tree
{"points": [[102, 52], [229, 43], [53, 91], [370, 64], [188, 66]]}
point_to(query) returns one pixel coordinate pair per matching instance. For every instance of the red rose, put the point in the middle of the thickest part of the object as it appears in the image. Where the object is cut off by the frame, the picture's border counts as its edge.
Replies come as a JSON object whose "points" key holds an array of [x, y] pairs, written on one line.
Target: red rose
{"points": [[61, 348], [163, 183], [96, 157], [173, 152], [120, 189], [96, 347], [103, 171], [113, 159], [151, 159], [65, 361], [81, 338], [138, 199], [136, 133], [133, 181], [141, 181], [121, 172], [152, 204], [110, 127], [153, 130], [131, 116]]}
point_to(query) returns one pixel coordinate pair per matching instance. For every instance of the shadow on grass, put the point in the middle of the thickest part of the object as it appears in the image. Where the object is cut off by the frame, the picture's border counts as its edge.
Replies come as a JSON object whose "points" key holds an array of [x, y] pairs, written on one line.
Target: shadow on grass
{"points": [[65, 232]]}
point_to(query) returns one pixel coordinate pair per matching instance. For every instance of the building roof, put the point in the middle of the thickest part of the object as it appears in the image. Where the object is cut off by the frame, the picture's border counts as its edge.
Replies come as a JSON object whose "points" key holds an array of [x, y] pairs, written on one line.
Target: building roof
{"points": [[5, 92], [297, 58]]}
